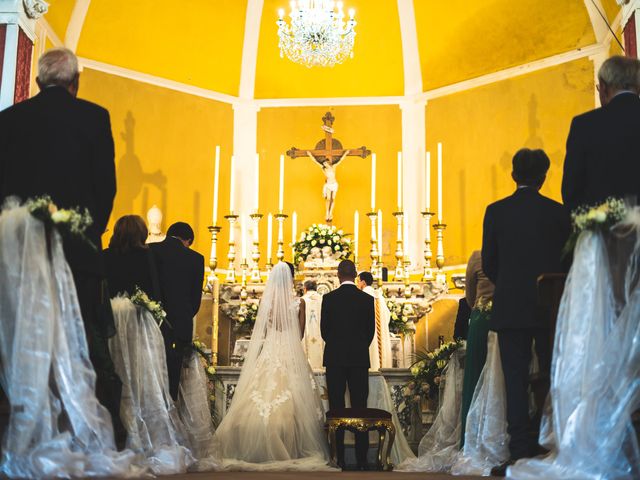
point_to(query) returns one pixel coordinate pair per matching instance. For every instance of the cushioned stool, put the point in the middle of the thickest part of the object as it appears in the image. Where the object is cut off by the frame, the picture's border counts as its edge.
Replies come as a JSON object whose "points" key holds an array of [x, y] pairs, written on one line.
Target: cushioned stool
{"points": [[363, 420]]}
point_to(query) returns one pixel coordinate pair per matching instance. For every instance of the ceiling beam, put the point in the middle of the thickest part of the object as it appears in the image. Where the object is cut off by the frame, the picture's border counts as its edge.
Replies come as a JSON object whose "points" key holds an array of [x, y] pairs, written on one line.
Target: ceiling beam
{"points": [[600, 29], [250, 49], [76, 22]]}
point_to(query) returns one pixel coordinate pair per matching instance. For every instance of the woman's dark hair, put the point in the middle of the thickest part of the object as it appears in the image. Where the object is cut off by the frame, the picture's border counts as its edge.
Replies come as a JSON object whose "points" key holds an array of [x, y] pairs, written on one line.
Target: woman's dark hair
{"points": [[292, 268], [129, 233]]}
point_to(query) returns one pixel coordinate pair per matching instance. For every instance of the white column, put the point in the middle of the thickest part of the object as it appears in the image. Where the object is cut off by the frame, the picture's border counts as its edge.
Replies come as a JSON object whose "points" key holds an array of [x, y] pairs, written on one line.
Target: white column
{"points": [[413, 148], [8, 85]]}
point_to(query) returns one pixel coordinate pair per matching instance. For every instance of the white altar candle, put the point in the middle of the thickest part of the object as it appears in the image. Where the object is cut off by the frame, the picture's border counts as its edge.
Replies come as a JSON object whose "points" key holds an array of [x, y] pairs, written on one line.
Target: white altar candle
{"points": [[269, 235], [281, 191], [257, 187], [294, 228], [379, 233], [243, 235], [427, 183], [356, 227], [373, 182], [232, 187], [400, 174], [439, 182], [216, 181]]}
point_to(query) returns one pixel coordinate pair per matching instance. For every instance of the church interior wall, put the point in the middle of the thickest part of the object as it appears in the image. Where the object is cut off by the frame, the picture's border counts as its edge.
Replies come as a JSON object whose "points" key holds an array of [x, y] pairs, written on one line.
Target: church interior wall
{"points": [[165, 143], [482, 128]]}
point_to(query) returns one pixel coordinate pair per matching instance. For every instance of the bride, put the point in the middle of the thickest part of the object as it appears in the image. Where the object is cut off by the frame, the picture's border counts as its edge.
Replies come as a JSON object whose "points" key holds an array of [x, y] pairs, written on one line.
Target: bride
{"points": [[275, 421]]}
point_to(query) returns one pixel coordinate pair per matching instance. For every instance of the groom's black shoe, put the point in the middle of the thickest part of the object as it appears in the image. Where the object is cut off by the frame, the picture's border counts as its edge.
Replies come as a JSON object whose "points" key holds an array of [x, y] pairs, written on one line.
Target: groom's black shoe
{"points": [[501, 470]]}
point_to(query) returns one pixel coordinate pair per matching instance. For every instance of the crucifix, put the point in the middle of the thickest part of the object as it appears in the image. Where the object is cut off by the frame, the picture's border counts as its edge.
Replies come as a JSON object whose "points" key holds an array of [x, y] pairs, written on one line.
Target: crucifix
{"points": [[328, 153]]}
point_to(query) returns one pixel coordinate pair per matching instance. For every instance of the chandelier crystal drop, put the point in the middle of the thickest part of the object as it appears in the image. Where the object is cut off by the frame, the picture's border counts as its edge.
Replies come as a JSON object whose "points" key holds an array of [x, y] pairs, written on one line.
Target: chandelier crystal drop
{"points": [[317, 35]]}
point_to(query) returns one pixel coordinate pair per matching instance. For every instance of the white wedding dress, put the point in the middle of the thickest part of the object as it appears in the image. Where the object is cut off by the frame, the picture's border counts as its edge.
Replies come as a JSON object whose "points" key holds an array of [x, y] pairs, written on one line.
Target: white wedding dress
{"points": [[275, 421], [595, 372]]}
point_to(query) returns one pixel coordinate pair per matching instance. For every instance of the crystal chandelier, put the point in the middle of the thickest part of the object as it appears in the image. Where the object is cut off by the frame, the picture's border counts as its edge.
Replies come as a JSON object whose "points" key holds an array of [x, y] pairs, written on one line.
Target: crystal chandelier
{"points": [[318, 35]]}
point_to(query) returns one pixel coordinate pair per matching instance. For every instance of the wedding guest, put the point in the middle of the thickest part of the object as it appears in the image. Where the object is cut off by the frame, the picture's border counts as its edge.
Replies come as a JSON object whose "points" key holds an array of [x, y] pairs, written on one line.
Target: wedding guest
{"points": [[181, 272], [478, 296], [72, 161], [129, 263], [603, 152], [523, 237]]}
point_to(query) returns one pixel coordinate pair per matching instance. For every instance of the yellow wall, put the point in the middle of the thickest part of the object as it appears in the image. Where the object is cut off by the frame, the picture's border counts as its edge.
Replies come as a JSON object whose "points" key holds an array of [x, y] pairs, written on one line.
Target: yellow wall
{"points": [[377, 127], [165, 143], [482, 128]]}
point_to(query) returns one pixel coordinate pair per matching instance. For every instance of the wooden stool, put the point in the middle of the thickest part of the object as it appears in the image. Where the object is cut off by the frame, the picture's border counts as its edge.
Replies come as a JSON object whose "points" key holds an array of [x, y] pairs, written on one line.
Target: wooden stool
{"points": [[363, 420]]}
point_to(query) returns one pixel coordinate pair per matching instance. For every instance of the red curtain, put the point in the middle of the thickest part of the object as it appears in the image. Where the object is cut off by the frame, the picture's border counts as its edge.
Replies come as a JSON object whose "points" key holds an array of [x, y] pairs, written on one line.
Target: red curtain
{"points": [[631, 38], [23, 67], [3, 35]]}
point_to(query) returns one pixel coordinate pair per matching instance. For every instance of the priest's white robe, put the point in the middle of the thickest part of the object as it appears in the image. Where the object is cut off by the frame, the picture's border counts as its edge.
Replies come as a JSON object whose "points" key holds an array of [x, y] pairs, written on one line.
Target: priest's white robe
{"points": [[312, 342], [382, 333]]}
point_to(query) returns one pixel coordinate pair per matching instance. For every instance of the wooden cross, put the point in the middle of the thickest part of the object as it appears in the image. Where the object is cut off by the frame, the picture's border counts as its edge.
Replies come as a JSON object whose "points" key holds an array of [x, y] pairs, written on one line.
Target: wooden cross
{"points": [[329, 148]]}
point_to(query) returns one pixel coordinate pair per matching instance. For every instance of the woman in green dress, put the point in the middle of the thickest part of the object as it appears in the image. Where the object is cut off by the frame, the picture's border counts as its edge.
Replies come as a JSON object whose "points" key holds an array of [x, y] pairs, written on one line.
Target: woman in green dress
{"points": [[479, 294]]}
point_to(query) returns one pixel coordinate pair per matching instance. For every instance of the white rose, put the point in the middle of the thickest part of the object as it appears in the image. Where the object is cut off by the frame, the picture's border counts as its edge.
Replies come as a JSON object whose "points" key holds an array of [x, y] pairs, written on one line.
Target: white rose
{"points": [[305, 251], [336, 238], [336, 248], [211, 371], [600, 216], [313, 243], [61, 216]]}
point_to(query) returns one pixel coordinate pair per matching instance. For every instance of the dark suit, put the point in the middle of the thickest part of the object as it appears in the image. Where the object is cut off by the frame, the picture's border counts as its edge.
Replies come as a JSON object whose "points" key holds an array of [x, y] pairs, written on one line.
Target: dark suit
{"points": [[347, 324], [62, 146], [523, 237], [181, 273], [461, 327], [603, 153]]}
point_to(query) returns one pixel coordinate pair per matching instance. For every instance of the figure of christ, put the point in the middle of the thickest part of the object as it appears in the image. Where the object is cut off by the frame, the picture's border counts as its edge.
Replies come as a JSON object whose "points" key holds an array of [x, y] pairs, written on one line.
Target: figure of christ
{"points": [[330, 188]]}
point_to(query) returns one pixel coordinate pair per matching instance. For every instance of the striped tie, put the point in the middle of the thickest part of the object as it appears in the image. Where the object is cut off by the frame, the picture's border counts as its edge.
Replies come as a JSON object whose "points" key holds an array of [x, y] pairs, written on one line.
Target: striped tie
{"points": [[378, 330]]}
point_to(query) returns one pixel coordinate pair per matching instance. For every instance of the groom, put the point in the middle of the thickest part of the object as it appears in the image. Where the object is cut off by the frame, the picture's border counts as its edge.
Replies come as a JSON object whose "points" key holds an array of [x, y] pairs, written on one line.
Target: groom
{"points": [[347, 324]]}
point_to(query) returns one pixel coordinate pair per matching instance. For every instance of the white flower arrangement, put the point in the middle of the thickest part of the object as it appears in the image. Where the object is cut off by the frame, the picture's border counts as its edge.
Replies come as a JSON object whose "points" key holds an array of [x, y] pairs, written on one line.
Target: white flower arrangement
{"points": [[322, 238], [68, 221], [141, 299], [598, 217], [246, 318], [401, 314]]}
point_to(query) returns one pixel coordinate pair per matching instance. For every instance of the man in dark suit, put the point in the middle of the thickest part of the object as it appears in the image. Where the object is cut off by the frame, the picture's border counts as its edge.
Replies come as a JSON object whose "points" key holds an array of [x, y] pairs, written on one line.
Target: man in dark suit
{"points": [[347, 324], [70, 158], [603, 150], [523, 237], [181, 272]]}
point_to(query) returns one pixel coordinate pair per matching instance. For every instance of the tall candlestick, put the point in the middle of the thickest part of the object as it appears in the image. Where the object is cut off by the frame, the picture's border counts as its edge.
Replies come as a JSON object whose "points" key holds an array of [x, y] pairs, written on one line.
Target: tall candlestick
{"points": [[294, 228], [231, 271], [380, 236], [405, 238], [269, 238], [373, 182], [255, 252], [256, 201], [356, 226], [281, 191], [216, 181], [440, 182], [232, 187], [400, 175], [243, 235], [427, 183]]}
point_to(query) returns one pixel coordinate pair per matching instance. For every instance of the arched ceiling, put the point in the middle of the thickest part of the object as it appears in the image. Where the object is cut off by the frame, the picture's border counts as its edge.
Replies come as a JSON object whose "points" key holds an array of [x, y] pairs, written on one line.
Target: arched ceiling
{"points": [[200, 42]]}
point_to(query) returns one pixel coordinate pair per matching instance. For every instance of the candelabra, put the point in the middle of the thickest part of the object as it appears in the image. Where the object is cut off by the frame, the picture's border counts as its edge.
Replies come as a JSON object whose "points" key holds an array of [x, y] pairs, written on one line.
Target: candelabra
{"points": [[255, 253], [213, 257], [439, 228], [244, 267], [427, 274], [231, 271], [280, 217], [373, 253], [399, 273]]}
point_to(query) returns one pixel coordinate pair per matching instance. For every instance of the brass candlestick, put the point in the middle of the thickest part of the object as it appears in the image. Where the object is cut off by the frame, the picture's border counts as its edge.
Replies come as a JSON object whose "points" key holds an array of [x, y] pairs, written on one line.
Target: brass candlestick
{"points": [[439, 228], [213, 256], [280, 217], [244, 267], [231, 270], [399, 273], [427, 274], [255, 254], [373, 253]]}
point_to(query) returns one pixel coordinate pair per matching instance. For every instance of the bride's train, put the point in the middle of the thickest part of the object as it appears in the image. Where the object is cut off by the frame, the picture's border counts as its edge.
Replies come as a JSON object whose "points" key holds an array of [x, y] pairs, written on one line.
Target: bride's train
{"points": [[56, 427], [596, 364]]}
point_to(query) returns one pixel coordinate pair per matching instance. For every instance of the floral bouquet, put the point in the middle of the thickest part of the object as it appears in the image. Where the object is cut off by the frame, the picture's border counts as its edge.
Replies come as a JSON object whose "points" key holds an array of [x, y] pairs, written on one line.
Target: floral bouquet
{"points": [[427, 372], [322, 240], [401, 314], [141, 299], [599, 217], [212, 378], [246, 319], [69, 221]]}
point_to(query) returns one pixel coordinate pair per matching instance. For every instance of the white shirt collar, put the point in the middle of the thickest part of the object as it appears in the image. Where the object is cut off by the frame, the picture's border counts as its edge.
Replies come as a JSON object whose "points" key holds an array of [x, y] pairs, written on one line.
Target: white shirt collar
{"points": [[370, 290], [348, 283]]}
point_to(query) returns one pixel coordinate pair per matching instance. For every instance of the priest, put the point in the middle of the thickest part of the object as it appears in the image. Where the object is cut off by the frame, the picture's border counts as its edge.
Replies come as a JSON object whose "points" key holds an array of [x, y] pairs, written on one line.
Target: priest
{"points": [[380, 348], [312, 342]]}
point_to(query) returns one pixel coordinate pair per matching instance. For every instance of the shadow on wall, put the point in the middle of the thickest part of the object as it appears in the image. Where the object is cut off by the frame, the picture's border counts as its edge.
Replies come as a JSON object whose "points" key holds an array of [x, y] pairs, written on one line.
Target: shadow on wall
{"points": [[133, 181]]}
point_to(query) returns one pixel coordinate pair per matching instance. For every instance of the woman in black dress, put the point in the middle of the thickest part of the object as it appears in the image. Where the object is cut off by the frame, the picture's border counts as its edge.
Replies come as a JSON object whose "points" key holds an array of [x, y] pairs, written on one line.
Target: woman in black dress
{"points": [[129, 263]]}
